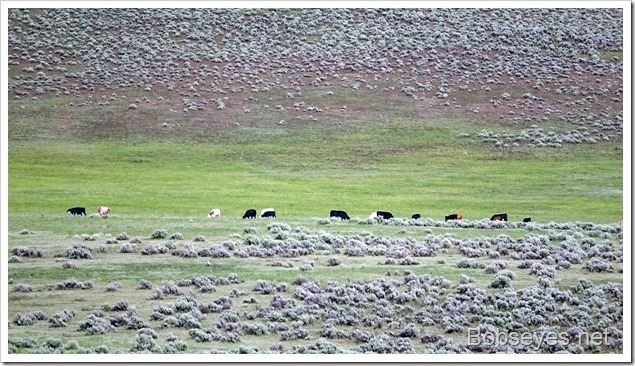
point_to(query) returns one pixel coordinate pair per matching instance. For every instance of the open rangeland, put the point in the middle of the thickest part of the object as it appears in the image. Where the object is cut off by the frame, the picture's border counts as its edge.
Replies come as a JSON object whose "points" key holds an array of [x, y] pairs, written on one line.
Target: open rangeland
{"points": [[162, 115]]}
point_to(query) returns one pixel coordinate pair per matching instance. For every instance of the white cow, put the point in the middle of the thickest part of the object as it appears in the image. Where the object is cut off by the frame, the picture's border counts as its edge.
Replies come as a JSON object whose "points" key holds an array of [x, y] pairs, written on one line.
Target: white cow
{"points": [[214, 213], [103, 210], [373, 215]]}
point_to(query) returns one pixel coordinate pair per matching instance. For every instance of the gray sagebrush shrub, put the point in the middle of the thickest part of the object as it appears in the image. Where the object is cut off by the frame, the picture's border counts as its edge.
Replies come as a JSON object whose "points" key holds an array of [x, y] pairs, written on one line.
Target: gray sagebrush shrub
{"points": [[176, 236], [157, 294], [542, 270], [113, 286], [324, 346], [128, 248], [122, 236], [175, 346], [229, 244], [495, 266], [596, 264], [159, 234], [170, 244], [23, 287], [251, 240], [73, 284], [71, 345], [144, 341], [95, 325], [469, 263], [152, 249], [198, 239], [69, 265], [501, 282], [61, 318], [77, 251], [276, 227], [170, 288], [28, 318], [26, 252], [15, 259], [144, 285]]}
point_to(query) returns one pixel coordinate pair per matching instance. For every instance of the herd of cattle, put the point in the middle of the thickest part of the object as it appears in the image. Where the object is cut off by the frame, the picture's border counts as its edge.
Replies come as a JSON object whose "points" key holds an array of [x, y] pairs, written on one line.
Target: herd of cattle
{"points": [[270, 212]]}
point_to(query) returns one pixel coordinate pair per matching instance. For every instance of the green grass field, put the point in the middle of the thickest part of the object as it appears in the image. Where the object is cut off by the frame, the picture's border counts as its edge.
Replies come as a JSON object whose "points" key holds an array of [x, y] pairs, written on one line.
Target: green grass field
{"points": [[404, 167]]}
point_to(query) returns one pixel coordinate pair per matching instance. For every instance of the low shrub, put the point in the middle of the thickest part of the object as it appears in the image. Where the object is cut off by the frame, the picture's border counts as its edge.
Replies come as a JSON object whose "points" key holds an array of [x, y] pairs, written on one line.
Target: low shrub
{"points": [[22, 287], [61, 318], [122, 236], [77, 251], [176, 236], [26, 252], [95, 325], [159, 234], [596, 264]]}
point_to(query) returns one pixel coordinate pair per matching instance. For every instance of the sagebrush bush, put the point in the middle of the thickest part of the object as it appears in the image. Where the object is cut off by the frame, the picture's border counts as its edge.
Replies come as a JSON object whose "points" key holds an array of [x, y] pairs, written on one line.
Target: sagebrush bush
{"points": [[176, 236], [73, 284], [596, 264], [128, 248], [95, 325], [60, 318], [16, 259], [26, 252], [469, 263], [501, 282], [122, 236], [77, 251], [113, 286], [22, 287], [69, 265], [159, 234]]}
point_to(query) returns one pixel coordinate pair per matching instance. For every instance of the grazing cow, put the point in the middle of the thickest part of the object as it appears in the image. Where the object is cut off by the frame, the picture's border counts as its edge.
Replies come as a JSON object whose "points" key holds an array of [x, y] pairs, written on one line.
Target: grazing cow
{"points": [[250, 214], [76, 211], [499, 217], [416, 216], [103, 210], [454, 217], [268, 212], [383, 214], [214, 213], [527, 219], [342, 215]]}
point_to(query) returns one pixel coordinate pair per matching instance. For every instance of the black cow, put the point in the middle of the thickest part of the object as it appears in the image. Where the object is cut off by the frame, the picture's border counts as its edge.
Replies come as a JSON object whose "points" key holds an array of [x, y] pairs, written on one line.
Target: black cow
{"points": [[527, 219], [499, 217], [250, 214], [268, 212], [453, 217], [416, 216], [342, 215], [384, 215], [76, 211]]}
